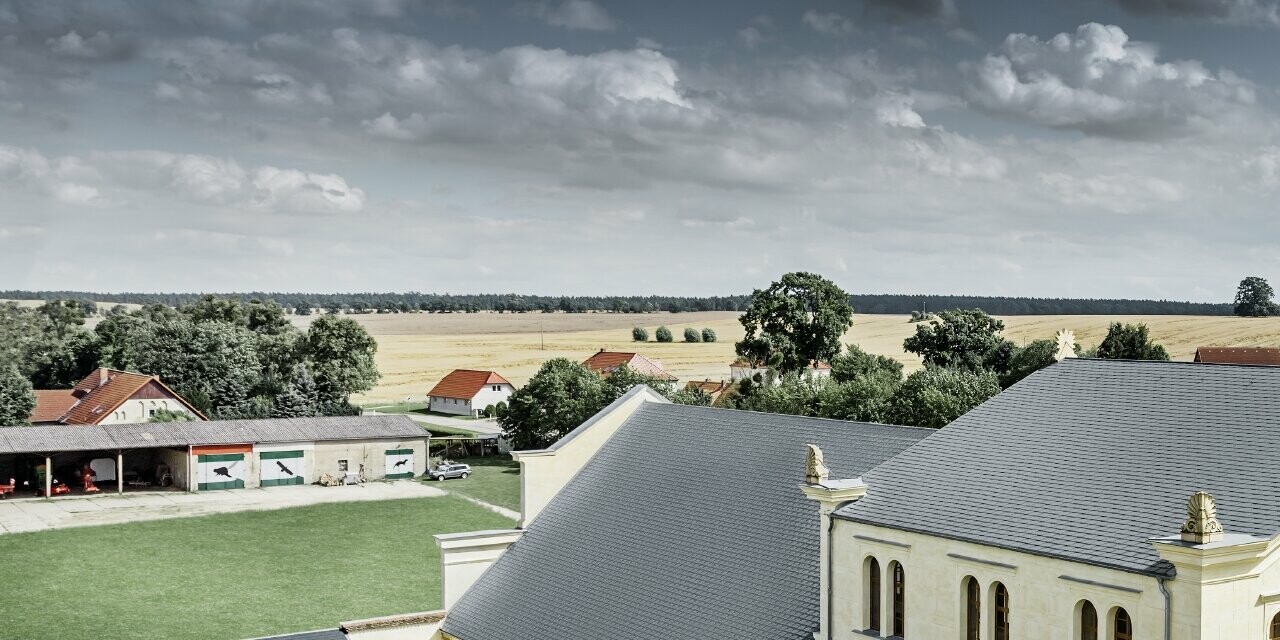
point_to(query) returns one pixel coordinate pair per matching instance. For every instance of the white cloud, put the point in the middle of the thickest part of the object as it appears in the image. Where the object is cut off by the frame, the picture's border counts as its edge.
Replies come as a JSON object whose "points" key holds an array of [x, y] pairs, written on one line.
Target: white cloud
{"points": [[1123, 193], [1265, 167], [99, 46], [898, 111], [61, 178], [1100, 82], [574, 14], [831, 24]]}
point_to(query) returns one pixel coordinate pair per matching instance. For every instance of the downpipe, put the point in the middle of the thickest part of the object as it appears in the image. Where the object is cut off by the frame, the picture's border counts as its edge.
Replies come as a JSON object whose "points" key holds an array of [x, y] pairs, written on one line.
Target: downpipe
{"points": [[1168, 609]]}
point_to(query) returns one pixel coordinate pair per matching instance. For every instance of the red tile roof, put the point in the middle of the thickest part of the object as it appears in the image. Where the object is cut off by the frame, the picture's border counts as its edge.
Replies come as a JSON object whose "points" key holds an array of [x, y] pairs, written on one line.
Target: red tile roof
{"points": [[52, 404], [713, 389], [465, 383], [1239, 355], [104, 390], [607, 362]]}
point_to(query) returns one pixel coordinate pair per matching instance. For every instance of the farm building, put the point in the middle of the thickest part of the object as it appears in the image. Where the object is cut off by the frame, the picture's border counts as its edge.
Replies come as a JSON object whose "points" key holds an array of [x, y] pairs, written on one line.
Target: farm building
{"points": [[467, 392], [742, 368], [222, 454], [606, 362], [1239, 355], [107, 396], [713, 388]]}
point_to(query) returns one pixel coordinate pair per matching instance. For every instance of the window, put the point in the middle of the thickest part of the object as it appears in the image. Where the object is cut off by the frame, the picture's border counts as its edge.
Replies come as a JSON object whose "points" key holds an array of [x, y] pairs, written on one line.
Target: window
{"points": [[1123, 627], [873, 596], [899, 601], [1088, 621], [972, 608], [151, 412], [1001, 612], [1275, 628]]}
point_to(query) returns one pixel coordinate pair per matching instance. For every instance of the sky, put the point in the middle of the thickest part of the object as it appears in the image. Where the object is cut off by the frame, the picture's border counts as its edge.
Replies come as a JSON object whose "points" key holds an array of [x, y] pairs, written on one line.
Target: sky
{"points": [[1074, 148]]}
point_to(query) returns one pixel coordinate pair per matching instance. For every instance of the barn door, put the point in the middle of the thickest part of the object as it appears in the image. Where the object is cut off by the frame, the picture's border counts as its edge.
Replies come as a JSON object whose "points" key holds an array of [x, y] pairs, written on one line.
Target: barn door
{"points": [[220, 471], [399, 463], [282, 467]]}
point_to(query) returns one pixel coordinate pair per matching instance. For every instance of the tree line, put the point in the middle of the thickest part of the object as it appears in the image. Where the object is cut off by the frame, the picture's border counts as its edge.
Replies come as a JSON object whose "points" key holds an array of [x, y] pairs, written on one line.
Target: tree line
{"points": [[227, 358], [373, 302]]}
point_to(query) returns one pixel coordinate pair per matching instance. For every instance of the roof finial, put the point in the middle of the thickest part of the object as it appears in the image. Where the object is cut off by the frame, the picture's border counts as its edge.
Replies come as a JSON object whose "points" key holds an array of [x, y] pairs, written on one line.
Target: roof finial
{"points": [[816, 472], [1202, 519], [1066, 345]]}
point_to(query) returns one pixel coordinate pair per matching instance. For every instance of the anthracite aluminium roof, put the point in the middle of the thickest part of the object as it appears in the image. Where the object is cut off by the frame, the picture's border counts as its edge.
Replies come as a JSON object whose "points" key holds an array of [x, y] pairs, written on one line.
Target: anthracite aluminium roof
{"points": [[688, 523], [61, 437], [1087, 460]]}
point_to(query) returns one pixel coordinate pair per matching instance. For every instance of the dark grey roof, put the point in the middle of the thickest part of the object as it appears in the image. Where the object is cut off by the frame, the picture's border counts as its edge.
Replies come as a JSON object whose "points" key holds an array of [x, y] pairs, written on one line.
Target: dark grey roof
{"points": [[688, 523], [1087, 460], [322, 634], [60, 437]]}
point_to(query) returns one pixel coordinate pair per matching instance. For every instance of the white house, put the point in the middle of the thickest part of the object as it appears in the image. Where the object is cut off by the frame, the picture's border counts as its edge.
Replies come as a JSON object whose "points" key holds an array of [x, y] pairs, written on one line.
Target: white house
{"points": [[467, 392], [107, 396], [742, 368]]}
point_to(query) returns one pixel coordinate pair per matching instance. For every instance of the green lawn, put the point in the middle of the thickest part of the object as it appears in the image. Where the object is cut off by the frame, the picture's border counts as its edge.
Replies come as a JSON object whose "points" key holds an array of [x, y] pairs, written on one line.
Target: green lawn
{"points": [[233, 575], [494, 479], [413, 407]]}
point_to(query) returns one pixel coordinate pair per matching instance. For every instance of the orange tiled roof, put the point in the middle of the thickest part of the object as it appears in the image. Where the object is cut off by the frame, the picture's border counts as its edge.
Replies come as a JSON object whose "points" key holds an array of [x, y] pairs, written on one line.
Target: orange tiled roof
{"points": [[711, 388], [52, 404], [465, 383], [104, 390], [1239, 355], [606, 362]]}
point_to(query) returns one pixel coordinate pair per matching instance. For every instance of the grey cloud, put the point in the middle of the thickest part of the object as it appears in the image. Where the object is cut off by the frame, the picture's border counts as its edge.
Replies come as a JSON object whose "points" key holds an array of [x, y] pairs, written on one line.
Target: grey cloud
{"points": [[831, 24], [572, 14], [100, 46], [905, 10], [1234, 12]]}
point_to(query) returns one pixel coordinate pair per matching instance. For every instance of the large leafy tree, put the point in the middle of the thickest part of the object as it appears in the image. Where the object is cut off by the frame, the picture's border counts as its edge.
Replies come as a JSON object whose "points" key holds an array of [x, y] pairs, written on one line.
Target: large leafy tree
{"points": [[561, 396], [962, 338], [1254, 298], [934, 396], [16, 397], [865, 398], [1130, 342], [1029, 359], [796, 320], [341, 355], [855, 363]]}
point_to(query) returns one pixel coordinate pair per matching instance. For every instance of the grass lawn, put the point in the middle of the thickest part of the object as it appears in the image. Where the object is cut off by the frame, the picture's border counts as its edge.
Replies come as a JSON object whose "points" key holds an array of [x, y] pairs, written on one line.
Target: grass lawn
{"points": [[439, 431], [231, 575], [414, 407], [495, 479]]}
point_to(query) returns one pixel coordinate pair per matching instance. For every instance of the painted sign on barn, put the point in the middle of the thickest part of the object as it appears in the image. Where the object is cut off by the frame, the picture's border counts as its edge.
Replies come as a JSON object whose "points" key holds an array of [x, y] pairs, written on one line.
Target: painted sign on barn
{"points": [[220, 471], [282, 467], [399, 463]]}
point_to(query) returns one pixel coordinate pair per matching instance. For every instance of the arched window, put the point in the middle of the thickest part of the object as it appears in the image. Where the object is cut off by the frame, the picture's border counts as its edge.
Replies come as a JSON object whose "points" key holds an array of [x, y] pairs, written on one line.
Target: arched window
{"points": [[1088, 621], [873, 595], [972, 608], [1001, 612], [1121, 625], [899, 601], [1275, 628]]}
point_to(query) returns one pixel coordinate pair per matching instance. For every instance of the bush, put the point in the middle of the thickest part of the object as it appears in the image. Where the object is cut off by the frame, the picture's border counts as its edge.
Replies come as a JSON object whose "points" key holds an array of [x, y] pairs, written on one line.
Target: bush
{"points": [[663, 334], [692, 335], [708, 335], [639, 334]]}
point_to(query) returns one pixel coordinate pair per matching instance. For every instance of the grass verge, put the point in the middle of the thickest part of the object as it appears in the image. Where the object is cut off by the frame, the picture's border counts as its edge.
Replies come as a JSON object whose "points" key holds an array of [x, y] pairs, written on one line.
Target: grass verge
{"points": [[494, 479]]}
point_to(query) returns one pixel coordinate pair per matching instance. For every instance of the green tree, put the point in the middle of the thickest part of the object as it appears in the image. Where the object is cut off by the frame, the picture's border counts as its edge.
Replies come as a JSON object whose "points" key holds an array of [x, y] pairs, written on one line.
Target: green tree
{"points": [[1130, 342], [692, 396], [934, 396], [299, 399], [561, 396], [212, 308], [789, 393], [692, 335], [341, 355], [639, 334], [855, 363], [622, 379], [63, 316], [266, 318], [1029, 359], [169, 415], [962, 338], [216, 359], [663, 334], [708, 335], [864, 398], [303, 309], [1254, 298], [17, 400], [798, 319]]}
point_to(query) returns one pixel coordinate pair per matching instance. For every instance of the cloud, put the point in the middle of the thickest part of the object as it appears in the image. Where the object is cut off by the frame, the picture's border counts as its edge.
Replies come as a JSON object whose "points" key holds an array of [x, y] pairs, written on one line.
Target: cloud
{"points": [[756, 33], [907, 10], [1265, 167], [1231, 12], [898, 111], [1099, 82], [831, 24], [1121, 193], [63, 178], [100, 46], [572, 14]]}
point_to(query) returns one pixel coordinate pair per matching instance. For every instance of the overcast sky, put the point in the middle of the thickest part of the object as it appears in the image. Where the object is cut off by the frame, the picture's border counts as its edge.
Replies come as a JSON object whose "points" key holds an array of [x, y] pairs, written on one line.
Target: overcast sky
{"points": [[1083, 148]]}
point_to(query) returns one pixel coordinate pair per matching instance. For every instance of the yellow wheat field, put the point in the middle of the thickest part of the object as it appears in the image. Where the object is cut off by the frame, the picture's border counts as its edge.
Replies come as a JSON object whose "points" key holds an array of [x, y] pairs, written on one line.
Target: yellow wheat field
{"points": [[416, 350]]}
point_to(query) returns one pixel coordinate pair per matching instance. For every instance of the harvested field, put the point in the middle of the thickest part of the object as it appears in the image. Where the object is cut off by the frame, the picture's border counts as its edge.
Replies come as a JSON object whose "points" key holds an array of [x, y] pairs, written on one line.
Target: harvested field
{"points": [[416, 350]]}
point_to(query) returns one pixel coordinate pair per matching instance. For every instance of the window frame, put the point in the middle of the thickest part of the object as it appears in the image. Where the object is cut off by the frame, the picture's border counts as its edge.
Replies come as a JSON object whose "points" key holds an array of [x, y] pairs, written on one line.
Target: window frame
{"points": [[1087, 631], [874, 592], [972, 608], [1000, 609], [899, 600], [1116, 632]]}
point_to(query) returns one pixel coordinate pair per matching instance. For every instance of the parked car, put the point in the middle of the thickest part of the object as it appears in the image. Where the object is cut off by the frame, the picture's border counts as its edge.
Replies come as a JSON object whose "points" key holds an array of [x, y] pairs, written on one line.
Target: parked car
{"points": [[450, 471]]}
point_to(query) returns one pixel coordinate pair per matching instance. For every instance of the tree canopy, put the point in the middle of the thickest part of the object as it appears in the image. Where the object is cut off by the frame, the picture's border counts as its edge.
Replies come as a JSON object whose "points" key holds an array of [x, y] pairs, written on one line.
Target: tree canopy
{"points": [[17, 400], [966, 339], [1130, 342], [795, 321], [1255, 298]]}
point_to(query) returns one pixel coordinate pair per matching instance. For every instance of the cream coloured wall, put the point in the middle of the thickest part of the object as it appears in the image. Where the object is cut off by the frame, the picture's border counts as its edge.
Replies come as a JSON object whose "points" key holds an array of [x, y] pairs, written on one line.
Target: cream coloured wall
{"points": [[370, 453], [1044, 592], [465, 556], [1228, 590], [132, 411], [455, 406]]}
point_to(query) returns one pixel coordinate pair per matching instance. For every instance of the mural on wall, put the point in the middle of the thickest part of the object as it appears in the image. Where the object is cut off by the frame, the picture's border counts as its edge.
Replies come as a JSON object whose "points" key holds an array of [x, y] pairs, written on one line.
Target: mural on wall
{"points": [[282, 467], [399, 463], [220, 471]]}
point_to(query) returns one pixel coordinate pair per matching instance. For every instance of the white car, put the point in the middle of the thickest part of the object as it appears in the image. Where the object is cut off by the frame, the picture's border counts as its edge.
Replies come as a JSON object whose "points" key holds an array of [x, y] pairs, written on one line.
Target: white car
{"points": [[450, 471]]}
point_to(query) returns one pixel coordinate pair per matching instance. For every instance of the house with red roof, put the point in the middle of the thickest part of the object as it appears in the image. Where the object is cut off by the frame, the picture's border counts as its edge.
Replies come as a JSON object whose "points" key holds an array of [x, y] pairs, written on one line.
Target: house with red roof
{"points": [[743, 368], [468, 392], [1266, 356], [108, 396], [606, 362]]}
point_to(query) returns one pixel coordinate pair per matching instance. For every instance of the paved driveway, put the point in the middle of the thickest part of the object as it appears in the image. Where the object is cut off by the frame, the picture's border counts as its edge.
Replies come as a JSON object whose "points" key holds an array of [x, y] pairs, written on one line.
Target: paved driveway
{"points": [[35, 514]]}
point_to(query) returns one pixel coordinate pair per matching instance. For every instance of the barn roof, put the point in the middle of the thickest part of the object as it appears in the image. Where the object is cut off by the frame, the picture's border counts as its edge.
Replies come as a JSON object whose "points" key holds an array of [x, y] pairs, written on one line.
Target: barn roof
{"points": [[56, 438], [607, 362], [465, 383], [1239, 355]]}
